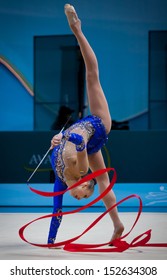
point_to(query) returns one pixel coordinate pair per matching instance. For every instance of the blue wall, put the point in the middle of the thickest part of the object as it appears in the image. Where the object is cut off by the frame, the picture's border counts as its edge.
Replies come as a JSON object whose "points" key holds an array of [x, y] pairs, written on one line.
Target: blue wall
{"points": [[118, 32]]}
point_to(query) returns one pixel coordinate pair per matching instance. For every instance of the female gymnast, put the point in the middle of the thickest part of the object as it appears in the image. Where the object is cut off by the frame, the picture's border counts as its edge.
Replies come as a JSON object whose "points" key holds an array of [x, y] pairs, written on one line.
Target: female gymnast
{"points": [[78, 148]]}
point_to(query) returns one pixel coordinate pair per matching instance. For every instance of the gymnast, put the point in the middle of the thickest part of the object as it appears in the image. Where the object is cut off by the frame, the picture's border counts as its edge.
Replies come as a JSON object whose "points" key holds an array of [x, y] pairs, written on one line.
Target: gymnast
{"points": [[78, 148]]}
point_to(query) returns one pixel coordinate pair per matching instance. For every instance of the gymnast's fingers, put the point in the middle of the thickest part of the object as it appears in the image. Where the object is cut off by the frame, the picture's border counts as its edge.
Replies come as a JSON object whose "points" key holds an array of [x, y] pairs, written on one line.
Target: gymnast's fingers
{"points": [[55, 142]]}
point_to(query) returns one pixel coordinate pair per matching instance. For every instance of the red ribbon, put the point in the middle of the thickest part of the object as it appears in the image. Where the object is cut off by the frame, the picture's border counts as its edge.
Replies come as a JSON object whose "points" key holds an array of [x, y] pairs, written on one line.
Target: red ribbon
{"points": [[119, 244]]}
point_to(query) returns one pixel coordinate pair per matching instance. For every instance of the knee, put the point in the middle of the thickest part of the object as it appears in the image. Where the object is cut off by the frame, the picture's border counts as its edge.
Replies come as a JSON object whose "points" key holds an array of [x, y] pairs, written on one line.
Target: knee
{"points": [[103, 181]]}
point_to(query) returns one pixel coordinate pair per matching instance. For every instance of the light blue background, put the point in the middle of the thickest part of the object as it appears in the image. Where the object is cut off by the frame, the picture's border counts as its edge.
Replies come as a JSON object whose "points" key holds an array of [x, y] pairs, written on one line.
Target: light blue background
{"points": [[154, 196]]}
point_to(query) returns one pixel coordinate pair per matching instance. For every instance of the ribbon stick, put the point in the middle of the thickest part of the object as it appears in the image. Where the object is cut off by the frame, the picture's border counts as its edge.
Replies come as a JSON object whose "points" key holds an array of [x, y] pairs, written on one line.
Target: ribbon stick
{"points": [[39, 164]]}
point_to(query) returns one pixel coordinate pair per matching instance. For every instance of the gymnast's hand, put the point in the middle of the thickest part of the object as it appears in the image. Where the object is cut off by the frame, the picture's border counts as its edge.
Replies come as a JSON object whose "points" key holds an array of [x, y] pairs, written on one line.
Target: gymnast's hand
{"points": [[56, 140]]}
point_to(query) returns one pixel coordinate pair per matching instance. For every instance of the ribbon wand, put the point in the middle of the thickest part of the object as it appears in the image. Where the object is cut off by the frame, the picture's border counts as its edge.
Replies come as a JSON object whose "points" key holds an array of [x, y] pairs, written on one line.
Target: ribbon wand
{"points": [[47, 152]]}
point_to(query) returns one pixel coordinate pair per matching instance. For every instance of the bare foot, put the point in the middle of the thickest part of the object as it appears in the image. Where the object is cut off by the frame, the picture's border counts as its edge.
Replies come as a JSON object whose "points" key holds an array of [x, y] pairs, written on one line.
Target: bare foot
{"points": [[117, 233], [72, 17]]}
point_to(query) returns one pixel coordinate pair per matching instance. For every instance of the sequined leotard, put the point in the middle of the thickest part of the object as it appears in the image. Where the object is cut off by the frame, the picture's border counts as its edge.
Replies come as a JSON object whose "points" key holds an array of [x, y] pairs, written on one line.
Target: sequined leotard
{"points": [[97, 137]]}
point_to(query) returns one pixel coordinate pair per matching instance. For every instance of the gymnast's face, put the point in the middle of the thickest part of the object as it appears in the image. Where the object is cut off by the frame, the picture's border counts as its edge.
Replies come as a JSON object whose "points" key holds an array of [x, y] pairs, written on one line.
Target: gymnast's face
{"points": [[83, 191]]}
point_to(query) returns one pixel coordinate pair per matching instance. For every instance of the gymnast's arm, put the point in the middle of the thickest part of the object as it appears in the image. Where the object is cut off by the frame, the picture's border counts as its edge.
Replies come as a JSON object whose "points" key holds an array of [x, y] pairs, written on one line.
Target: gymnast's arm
{"points": [[57, 208], [82, 162], [82, 157]]}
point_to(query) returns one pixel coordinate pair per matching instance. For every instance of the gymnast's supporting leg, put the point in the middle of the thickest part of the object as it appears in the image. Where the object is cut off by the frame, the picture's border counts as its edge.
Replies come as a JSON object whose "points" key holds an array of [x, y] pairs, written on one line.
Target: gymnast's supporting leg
{"points": [[99, 107], [96, 162]]}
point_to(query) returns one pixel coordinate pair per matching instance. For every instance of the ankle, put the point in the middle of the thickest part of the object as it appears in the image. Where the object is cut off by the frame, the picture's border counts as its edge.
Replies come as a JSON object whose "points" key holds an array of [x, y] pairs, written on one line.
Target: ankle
{"points": [[119, 227]]}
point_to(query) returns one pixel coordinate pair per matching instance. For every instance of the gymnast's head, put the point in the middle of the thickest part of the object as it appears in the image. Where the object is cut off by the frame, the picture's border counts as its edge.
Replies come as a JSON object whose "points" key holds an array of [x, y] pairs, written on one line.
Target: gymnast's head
{"points": [[84, 190]]}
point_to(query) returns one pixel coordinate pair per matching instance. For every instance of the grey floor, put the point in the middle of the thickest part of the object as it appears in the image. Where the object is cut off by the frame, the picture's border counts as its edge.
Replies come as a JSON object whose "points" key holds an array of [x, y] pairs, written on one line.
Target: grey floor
{"points": [[13, 248]]}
